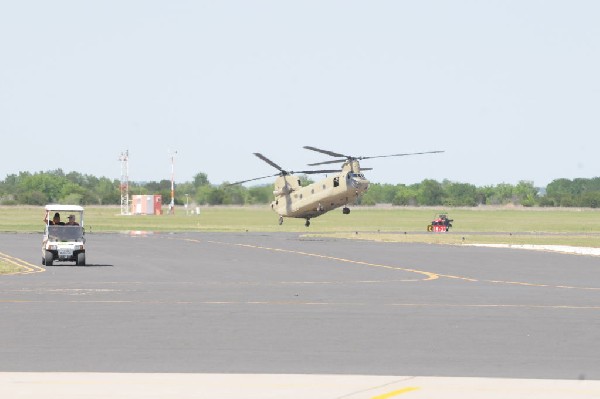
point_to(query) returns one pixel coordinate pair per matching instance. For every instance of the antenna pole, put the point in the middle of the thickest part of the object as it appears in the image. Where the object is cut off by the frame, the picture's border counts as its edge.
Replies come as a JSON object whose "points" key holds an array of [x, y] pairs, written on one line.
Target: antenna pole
{"points": [[124, 159], [172, 204]]}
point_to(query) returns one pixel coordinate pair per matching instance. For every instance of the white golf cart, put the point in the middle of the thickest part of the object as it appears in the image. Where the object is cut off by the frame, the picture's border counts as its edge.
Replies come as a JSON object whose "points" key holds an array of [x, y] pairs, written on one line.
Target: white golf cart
{"points": [[63, 242]]}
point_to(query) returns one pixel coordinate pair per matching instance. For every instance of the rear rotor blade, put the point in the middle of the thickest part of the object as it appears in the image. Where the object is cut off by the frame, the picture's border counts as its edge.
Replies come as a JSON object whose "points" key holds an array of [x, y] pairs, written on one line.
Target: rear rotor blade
{"points": [[267, 160], [246, 181], [331, 153]]}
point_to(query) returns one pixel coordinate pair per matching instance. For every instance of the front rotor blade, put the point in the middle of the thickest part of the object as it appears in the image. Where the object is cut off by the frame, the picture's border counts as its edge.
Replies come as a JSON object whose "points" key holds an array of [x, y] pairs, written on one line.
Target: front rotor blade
{"points": [[267, 160], [331, 153], [316, 172], [401, 155], [327, 162]]}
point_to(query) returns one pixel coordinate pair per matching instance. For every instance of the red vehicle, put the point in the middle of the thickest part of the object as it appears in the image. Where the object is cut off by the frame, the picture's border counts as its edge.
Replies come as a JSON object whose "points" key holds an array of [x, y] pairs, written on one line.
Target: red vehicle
{"points": [[440, 224]]}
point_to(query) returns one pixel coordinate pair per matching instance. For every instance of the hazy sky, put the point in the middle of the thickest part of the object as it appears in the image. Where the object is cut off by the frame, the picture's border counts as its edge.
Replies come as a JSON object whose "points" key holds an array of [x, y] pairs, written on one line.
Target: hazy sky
{"points": [[509, 89]]}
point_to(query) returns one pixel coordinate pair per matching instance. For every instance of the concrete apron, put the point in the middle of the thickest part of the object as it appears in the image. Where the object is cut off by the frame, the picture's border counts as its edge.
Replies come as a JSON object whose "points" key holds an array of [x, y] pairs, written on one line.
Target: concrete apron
{"points": [[285, 386]]}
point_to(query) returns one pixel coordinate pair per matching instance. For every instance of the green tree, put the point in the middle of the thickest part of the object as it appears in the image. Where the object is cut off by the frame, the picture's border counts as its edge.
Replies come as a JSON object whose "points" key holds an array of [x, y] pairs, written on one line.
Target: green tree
{"points": [[590, 199], [379, 194], [202, 194], [526, 193], [459, 194], [216, 196], [558, 190], [485, 194], [48, 184], [430, 193], [503, 194], [405, 195], [33, 197], [260, 194], [201, 179], [234, 195], [107, 192]]}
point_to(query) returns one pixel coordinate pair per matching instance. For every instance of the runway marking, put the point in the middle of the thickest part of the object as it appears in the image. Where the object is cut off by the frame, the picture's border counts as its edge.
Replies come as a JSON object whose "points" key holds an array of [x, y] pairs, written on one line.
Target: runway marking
{"points": [[301, 303], [27, 268], [540, 285], [430, 275], [396, 393]]}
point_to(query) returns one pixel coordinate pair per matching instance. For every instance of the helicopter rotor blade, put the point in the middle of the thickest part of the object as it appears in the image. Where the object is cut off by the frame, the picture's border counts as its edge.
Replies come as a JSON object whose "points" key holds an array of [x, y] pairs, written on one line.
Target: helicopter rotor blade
{"points": [[330, 153], [316, 172], [349, 158], [273, 164], [327, 162], [400, 155], [248, 180]]}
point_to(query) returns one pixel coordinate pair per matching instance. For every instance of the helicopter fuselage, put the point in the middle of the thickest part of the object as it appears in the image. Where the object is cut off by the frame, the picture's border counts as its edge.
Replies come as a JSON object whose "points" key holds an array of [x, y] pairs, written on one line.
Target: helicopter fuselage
{"points": [[293, 200]]}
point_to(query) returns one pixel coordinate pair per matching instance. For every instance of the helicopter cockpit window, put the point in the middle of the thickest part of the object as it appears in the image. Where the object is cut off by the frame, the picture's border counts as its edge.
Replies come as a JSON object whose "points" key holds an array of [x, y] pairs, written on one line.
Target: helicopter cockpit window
{"points": [[336, 181]]}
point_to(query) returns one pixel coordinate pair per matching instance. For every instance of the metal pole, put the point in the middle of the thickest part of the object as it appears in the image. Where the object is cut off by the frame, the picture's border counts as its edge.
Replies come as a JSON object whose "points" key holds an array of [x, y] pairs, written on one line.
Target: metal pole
{"points": [[124, 159], [172, 205]]}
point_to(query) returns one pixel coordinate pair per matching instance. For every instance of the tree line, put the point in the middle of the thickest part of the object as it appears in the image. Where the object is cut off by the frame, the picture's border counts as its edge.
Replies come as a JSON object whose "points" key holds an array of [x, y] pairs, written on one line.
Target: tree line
{"points": [[55, 186]]}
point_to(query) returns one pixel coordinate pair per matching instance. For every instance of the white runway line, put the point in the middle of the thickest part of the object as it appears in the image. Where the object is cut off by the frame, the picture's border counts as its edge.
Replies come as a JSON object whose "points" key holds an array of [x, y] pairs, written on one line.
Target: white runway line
{"points": [[566, 249]]}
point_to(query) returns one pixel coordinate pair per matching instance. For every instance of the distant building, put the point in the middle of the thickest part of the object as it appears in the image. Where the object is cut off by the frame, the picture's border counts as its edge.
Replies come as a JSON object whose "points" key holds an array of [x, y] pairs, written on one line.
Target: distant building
{"points": [[146, 204]]}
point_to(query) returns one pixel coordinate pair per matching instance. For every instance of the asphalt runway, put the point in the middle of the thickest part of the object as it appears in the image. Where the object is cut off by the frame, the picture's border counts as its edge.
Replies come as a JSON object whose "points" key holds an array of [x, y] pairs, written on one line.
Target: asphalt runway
{"points": [[282, 304]]}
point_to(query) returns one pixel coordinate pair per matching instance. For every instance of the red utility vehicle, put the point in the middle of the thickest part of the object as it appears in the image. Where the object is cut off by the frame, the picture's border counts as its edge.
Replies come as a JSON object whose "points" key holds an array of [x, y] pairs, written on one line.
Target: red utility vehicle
{"points": [[440, 224]]}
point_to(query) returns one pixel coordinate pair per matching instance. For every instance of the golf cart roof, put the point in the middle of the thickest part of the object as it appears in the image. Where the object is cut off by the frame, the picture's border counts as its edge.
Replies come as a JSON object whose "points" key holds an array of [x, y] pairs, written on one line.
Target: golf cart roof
{"points": [[64, 208]]}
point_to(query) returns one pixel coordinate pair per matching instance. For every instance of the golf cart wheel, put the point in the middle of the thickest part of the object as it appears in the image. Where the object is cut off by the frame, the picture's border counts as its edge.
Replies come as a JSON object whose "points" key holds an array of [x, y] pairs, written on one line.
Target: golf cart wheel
{"points": [[81, 259], [49, 258]]}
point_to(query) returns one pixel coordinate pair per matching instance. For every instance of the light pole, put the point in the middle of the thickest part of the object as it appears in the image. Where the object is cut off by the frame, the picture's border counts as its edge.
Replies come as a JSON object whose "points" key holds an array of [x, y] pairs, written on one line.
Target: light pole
{"points": [[172, 204]]}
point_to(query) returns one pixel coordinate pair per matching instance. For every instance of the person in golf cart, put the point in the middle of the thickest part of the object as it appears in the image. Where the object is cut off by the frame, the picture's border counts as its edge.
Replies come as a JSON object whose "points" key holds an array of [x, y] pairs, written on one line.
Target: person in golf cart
{"points": [[63, 242], [55, 220], [71, 221]]}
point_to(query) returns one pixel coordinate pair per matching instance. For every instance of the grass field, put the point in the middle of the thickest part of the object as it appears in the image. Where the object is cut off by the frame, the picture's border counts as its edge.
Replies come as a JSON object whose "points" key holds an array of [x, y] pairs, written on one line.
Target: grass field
{"points": [[575, 227], [526, 222]]}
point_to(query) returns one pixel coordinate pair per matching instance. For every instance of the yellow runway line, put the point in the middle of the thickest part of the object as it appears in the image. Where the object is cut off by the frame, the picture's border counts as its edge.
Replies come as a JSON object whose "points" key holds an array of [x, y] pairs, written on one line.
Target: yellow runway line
{"points": [[26, 267], [395, 393]]}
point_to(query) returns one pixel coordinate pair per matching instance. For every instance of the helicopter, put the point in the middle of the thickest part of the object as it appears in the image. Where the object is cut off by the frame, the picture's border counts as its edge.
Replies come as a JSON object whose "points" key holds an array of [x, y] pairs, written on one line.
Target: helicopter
{"points": [[344, 187]]}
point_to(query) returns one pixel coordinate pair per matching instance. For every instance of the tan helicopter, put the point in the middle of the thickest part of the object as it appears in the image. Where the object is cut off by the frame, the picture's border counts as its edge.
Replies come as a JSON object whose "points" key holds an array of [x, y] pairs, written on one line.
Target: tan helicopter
{"points": [[294, 201]]}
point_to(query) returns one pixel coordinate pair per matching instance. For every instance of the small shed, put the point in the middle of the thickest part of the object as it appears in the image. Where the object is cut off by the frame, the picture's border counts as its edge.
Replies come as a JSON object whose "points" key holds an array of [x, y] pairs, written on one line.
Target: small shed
{"points": [[146, 204]]}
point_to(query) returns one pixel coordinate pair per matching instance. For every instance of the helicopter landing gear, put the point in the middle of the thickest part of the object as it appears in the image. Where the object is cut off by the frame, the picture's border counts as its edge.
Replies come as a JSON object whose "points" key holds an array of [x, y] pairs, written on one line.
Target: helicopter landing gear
{"points": [[307, 223], [280, 220], [346, 210]]}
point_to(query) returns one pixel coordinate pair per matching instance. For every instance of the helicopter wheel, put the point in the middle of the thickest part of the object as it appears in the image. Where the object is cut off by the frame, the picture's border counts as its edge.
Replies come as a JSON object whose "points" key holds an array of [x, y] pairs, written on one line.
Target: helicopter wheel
{"points": [[280, 220], [307, 222], [346, 210]]}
